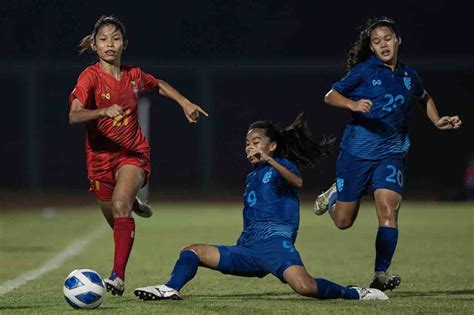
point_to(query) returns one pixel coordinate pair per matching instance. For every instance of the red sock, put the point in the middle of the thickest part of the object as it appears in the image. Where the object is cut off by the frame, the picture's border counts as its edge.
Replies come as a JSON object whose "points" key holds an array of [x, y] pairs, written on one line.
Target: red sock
{"points": [[124, 234]]}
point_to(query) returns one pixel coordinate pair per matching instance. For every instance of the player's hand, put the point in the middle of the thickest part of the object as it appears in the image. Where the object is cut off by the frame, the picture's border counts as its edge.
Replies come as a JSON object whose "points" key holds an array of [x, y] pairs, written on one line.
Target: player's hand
{"points": [[363, 106], [112, 111], [258, 154], [448, 122], [191, 111]]}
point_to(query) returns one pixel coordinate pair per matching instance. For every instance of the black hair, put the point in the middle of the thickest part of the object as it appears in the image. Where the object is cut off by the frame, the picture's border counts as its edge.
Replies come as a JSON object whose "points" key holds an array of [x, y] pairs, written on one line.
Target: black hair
{"points": [[360, 50], [294, 142], [85, 44]]}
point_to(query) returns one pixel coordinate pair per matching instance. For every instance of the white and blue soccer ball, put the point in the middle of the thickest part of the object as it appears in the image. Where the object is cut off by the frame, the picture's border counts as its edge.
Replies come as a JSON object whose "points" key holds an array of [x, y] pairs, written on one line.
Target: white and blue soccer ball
{"points": [[84, 288]]}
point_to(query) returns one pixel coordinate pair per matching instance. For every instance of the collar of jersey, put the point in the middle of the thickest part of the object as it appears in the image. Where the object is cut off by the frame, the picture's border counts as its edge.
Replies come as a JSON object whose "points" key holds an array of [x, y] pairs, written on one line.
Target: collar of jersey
{"points": [[376, 61]]}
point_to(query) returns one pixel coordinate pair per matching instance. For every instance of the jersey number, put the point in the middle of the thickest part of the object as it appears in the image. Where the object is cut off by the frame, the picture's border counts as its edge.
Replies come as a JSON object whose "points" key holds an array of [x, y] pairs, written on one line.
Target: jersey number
{"points": [[393, 103], [395, 177], [252, 198]]}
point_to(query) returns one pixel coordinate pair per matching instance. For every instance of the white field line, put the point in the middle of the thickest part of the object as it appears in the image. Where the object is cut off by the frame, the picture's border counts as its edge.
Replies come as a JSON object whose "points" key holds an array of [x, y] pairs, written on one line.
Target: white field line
{"points": [[54, 263]]}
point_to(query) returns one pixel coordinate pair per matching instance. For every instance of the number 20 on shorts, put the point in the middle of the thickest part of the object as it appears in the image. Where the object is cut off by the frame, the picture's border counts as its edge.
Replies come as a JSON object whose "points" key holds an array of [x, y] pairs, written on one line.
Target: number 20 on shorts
{"points": [[396, 176]]}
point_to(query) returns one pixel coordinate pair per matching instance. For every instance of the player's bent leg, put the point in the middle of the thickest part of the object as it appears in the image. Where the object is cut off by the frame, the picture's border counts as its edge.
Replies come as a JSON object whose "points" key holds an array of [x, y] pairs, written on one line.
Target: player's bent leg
{"points": [[300, 281], [344, 214], [209, 256], [190, 258], [387, 203], [128, 180]]}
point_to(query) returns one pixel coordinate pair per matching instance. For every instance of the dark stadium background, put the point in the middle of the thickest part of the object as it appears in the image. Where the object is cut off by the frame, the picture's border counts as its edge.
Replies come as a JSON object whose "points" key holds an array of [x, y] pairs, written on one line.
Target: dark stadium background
{"points": [[240, 60]]}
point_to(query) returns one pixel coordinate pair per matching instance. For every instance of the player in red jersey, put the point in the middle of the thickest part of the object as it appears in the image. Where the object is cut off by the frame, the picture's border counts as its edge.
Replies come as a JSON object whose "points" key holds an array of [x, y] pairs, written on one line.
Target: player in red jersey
{"points": [[118, 154]]}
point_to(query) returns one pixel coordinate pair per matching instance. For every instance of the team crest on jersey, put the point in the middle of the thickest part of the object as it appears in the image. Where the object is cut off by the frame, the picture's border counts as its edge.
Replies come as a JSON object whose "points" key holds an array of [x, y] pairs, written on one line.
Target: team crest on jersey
{"points": [[267, 177], [105, 96], [340, 184], [134, 88], [407, 81]]}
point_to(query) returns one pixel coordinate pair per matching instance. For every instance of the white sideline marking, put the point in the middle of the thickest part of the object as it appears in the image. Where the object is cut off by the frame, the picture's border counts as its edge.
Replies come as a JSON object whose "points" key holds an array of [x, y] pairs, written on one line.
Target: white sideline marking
{"points": [[51, 264]]}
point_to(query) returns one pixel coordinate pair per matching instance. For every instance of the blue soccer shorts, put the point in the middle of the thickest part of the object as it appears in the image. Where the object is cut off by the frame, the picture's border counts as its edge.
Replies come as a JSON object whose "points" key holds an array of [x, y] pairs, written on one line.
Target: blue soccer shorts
{"points": [[356, 176], [272, 255]]}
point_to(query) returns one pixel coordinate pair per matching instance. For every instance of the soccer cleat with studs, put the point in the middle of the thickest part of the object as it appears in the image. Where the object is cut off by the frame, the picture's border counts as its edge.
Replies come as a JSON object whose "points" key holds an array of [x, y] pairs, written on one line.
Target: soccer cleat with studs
{"points": [[143, 209], [322, 201], [159, 292], [384, 281], [114, 284]]}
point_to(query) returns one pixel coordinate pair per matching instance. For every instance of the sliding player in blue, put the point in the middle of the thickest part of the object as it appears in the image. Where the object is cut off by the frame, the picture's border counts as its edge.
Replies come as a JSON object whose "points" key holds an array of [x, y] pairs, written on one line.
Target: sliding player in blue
{"points": [[271, 220], [379, 91]]}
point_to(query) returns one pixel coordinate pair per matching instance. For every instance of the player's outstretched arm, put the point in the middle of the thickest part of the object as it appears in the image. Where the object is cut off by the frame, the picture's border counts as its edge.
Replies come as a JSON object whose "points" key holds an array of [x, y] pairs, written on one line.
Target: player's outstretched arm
{"points": [[443, 123], [79, 114], [291, 178], [191, 110], [336, 99]]}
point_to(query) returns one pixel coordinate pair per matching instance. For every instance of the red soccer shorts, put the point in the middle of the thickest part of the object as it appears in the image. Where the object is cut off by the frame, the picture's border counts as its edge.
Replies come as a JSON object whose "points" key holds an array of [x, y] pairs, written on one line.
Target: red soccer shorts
{"points": [[102, 185]]}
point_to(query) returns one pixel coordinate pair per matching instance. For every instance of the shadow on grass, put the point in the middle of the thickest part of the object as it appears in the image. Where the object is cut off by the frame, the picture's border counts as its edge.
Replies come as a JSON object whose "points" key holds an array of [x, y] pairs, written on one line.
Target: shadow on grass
{"points": [[282, 296], [431, 293]]}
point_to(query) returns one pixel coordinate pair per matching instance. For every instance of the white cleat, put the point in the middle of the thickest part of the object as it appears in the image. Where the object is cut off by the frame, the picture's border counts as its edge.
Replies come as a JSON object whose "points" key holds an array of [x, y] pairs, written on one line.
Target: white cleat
{"points": [[159, 292], [322, 201], [367, 294], [144, 209], [115, 285]]}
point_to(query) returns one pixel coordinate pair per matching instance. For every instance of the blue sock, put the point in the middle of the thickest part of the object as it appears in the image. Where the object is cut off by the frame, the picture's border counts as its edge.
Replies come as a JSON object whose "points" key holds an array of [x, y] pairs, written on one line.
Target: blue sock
{"points": [[330, 290], [332, 201], [184, 270], [385, 245]]}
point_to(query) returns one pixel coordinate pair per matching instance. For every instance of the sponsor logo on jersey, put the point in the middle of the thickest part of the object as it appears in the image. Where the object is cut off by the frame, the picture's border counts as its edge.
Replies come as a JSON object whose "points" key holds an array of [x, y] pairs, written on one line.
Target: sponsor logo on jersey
{"points": [[376, 82], [105, 96]]}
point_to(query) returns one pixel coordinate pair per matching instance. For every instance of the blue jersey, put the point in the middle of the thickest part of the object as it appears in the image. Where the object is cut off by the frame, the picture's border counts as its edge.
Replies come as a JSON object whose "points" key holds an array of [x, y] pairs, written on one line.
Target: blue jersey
{"points": [[384, 131], [271, 206]]}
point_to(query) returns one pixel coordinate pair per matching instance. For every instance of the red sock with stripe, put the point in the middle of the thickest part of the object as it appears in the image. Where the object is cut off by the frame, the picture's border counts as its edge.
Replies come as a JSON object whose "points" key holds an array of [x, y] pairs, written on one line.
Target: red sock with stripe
{"points": [[124, 234]]}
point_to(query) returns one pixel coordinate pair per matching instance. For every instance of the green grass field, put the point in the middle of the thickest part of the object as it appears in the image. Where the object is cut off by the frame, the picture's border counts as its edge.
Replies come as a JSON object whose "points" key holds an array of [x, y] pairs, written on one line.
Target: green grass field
{"points": [[435, 258]]}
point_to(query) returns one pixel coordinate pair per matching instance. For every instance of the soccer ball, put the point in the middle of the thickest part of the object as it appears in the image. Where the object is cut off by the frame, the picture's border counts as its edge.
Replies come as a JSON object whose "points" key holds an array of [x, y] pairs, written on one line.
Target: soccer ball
{"points": [[84, 288]]}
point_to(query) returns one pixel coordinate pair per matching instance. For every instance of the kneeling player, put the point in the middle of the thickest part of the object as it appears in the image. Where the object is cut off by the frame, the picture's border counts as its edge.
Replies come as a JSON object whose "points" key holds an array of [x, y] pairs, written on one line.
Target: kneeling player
{"points": [[271, 220]]}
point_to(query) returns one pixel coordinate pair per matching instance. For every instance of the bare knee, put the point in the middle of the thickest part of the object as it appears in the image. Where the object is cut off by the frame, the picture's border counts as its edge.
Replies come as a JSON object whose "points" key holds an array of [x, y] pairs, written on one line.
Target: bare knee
{"points": [[195, 248], [343, 223], [120, 208], [387, 215]]}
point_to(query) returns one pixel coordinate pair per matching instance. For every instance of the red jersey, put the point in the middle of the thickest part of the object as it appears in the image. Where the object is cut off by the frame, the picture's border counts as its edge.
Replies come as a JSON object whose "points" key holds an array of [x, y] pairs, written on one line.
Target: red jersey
{"points": [[107, 138]]}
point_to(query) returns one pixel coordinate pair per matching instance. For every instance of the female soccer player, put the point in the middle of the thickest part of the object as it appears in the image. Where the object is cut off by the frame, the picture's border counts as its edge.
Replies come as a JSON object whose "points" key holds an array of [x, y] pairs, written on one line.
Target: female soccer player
{"points": [[271, 220], [378, 90], [118, 155]]}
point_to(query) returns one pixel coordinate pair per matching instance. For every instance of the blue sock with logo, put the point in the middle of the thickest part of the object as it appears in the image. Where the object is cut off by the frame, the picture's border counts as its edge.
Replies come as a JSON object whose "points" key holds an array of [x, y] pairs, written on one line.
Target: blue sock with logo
{"points": [[330, 290], [385, 245], [184, 270], [332, 201]]}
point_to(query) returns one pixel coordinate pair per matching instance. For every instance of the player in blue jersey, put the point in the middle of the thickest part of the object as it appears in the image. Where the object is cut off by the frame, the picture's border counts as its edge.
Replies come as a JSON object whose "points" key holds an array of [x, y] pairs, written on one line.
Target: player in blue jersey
{"points": [[271, 220], [379, 91]]}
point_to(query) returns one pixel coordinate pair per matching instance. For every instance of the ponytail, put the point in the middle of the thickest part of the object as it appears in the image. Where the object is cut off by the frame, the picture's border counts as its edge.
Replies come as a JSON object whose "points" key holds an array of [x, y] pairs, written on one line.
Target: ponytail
{"points": [[300, 148], [85, 44]]}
